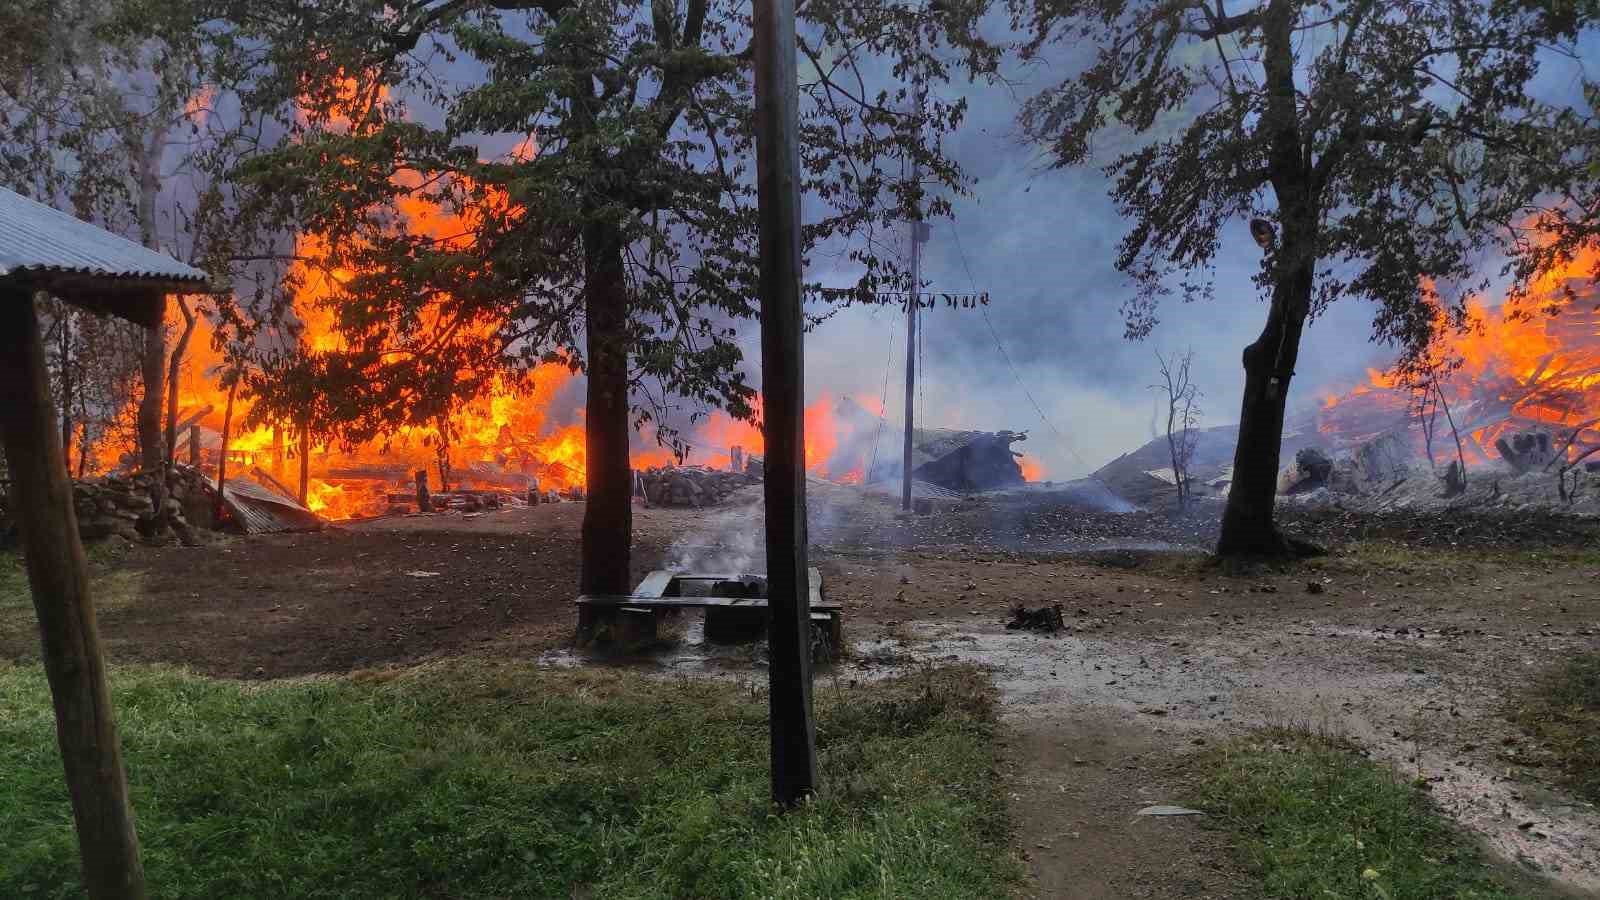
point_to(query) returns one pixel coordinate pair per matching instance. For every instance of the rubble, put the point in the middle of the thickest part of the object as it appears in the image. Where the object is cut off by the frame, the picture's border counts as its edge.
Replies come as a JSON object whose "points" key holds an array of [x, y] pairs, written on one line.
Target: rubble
{"points": [[1312, 468], [1046, 619], [696, 486]]}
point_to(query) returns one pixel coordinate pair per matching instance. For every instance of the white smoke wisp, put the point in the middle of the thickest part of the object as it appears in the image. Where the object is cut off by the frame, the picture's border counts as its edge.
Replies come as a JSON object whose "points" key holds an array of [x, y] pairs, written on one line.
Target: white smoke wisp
{"points": [[731, 542]]}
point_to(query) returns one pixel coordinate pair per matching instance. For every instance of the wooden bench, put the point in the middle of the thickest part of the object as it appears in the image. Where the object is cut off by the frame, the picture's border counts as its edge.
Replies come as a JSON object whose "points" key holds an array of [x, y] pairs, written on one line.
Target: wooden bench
{"points": [[727, 618]]}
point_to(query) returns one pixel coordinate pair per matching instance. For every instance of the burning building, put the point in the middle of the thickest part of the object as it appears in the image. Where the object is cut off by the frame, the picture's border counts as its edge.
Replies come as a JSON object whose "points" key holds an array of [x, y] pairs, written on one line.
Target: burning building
{"points": [[1517, 374]]}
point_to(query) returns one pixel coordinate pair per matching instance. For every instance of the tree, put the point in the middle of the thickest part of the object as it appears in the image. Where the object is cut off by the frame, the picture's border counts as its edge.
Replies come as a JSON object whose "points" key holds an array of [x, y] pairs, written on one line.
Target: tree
{"points": [[1383, 143], [106, 110], [1182, 416], [93, 362], [624, 242]]}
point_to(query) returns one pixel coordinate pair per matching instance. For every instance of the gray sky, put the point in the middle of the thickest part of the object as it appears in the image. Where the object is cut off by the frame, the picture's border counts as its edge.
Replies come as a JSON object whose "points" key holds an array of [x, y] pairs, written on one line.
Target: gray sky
{"points": [[1042, 243]]}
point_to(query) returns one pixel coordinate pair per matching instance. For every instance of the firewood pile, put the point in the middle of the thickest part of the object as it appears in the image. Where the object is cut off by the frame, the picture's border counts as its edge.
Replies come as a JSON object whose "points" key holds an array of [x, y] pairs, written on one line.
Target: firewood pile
{"points": [[693, 486]]}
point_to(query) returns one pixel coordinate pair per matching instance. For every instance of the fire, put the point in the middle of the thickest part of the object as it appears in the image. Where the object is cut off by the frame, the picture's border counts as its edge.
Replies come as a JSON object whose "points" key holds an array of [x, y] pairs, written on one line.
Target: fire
{"points": [[1031, 469], [507, 439], [720, 433], [521, 433], [1533, 371]]}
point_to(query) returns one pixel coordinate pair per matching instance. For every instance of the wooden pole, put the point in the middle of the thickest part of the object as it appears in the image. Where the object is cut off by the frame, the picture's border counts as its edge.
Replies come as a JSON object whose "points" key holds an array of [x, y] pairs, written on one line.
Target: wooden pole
{"points": [[222, 461], [794, 742], [305, 461], [911, 367], [59, 580], [914, 302]]}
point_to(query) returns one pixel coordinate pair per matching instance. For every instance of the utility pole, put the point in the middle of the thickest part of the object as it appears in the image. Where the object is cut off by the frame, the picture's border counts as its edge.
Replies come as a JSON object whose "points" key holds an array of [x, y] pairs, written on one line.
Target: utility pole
{"points": [[919, 234], [777, 94], [919, 231]]}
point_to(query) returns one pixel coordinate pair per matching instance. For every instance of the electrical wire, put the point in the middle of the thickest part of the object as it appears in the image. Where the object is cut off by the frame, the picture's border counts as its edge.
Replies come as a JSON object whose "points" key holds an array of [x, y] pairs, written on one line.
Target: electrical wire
{"points": [[1000, 345]]}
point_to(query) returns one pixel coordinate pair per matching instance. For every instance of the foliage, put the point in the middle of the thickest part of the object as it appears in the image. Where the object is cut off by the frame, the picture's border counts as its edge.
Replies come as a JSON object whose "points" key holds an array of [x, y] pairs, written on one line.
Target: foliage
{"points": [[93, 365], [118, 111], [634, 150], [1395, 140], [1314, 819], [485, 779], [1561, 710]]}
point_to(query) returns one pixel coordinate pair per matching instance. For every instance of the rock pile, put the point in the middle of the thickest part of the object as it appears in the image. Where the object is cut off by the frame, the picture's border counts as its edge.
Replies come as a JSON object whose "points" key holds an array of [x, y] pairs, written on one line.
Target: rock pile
{"points": [[122, 505], [693, 485]]}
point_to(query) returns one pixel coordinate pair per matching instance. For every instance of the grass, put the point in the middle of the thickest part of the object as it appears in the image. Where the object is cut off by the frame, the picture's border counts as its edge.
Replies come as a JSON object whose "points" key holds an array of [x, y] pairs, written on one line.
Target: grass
{"points": [[496, 779], [1314, 819], [13, 583], [1561, 711], [111, 588]]}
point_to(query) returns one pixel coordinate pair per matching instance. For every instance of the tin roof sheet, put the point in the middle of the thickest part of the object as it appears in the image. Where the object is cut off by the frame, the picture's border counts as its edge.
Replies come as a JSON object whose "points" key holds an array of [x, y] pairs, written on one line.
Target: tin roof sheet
{"points": [[35, 238]]}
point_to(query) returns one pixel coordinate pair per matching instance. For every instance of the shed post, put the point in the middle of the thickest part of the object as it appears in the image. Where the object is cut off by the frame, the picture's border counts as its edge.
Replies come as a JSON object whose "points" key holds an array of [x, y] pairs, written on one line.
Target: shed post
{"points": [[59, 580]]}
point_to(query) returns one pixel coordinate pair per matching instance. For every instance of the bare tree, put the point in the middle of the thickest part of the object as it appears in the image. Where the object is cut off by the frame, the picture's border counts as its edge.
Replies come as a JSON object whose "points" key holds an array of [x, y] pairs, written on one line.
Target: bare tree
{"points": [[1183, 414]]}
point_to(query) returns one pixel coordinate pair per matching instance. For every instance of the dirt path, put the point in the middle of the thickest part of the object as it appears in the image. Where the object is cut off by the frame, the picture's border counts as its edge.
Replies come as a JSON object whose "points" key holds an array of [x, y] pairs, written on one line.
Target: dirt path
{"points": [[1077, 783]]}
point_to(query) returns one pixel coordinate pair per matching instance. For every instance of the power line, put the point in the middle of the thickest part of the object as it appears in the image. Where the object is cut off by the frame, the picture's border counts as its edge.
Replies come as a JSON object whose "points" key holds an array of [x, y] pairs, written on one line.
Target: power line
{"points": [[1000, 345]]}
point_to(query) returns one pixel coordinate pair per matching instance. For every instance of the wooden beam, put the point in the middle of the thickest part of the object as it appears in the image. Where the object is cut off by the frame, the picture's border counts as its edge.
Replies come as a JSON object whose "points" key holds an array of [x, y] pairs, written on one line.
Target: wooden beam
{"points": [[793, 732], [58, 578]]}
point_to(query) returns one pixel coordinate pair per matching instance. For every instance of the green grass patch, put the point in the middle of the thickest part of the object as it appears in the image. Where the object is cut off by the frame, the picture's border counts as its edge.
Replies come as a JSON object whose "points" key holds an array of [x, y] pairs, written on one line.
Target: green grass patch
{"points": [[1315, 819], [13, 583], [111, 587], [1561, 710], [497, 779]]}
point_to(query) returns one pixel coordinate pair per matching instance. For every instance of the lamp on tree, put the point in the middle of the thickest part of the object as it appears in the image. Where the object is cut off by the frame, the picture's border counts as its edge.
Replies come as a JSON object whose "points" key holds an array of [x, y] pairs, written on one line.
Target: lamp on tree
{"points": [[1263, 232]]}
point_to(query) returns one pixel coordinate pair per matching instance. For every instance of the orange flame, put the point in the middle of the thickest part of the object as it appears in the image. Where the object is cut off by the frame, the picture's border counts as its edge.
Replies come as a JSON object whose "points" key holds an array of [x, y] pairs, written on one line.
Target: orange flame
{"points": [[1514, 371], [1032, 470]]}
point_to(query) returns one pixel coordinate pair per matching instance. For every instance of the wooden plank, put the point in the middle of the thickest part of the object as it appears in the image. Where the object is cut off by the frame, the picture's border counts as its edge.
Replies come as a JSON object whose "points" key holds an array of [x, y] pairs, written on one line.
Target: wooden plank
{"points": [[654, 585], [58, 579]]}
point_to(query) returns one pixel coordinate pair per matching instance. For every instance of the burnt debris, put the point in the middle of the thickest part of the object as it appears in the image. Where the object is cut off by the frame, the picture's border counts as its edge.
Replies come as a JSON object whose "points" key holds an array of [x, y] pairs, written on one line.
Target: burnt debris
{"points": [[1045, 619]]}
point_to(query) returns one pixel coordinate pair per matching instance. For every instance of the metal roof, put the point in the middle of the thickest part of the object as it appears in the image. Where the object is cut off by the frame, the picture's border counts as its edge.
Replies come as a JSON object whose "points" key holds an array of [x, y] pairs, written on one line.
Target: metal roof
{"points": [[260, 511], [36, 239]]}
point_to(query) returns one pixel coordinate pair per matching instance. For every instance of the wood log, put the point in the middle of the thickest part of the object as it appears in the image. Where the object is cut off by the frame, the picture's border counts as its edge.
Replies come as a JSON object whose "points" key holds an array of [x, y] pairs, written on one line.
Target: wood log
{"points": [[58, 578]]}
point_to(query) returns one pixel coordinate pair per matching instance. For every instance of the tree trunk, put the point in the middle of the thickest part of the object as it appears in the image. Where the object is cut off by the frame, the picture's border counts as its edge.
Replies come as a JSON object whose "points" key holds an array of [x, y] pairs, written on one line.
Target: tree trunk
{"points": [[608, 514], [151, 453], [154, 371], [65, 349], [173, 366], [58, 577], [83, 448], [1247, 520]]}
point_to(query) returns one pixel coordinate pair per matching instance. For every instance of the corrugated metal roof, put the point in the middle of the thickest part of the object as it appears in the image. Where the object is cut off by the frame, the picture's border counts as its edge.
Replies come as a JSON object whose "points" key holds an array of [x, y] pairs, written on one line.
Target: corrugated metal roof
{"points": [[35, 238], [261, 511]]}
